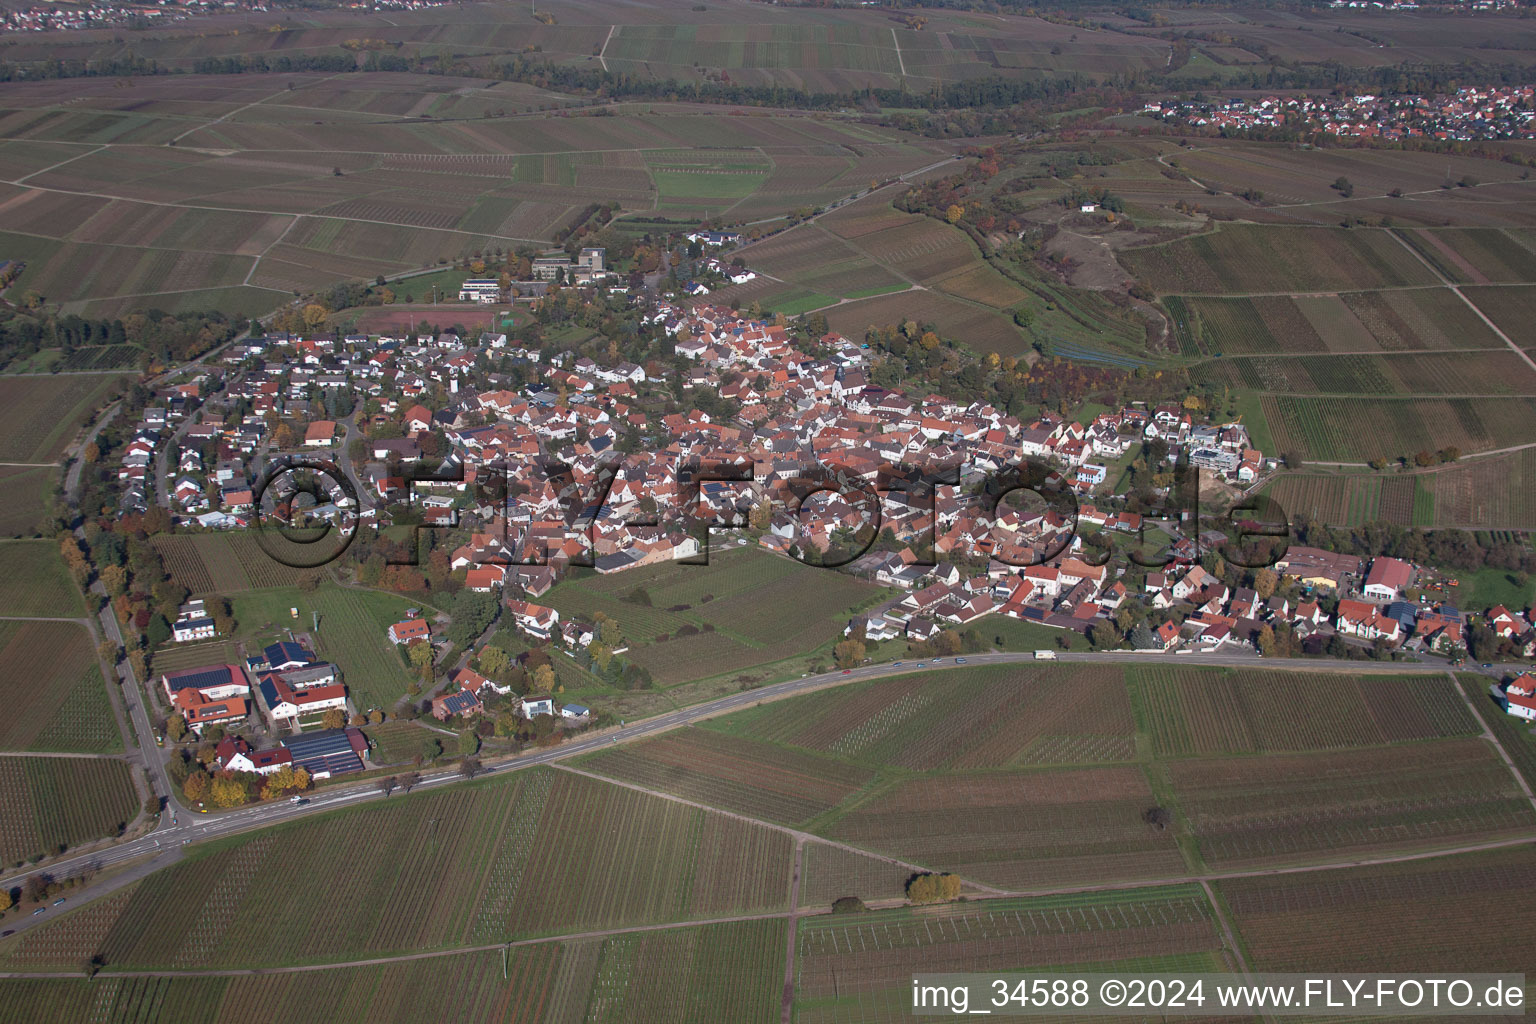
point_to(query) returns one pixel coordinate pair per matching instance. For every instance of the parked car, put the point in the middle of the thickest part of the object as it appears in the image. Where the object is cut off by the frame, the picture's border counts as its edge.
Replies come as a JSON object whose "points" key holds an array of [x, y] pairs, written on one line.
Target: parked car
{"points": [[59, 902], [39, 910]]}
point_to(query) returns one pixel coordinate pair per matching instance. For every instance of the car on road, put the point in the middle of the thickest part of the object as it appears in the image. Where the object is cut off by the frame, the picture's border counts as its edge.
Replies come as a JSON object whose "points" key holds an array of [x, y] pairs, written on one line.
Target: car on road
{"points": [[39, 910], [895, 664], [959, 661], [8, 931], [1487, 664], [847, 671], [922, 665], [298, 800], [59, 902]]}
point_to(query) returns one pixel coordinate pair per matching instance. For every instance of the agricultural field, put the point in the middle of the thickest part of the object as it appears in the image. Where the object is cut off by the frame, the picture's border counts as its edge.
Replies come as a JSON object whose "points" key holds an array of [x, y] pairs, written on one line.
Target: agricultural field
{"points": [[1513, 735], [1512, 308], [351, 634], [1019, 829], [974, 718], [1427, 915], [24, 492], [1477, 255], [276, 195], [40, 416], [223, 563], [1286, 175], [859, 968], [1493, 372], [684, 974], [49, 802], [1250, 258], [747, 608], [1363, 323], [750, 777], [1280, 809], [1197, 711], [36, 582], [1354, 499], [983, 330], [830, 872], [51, 680], [537, 853], [1360, 429]]}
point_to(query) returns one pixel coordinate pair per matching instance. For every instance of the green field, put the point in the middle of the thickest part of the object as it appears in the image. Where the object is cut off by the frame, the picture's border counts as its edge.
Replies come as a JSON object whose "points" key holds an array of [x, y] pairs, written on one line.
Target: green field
{"points": [[24, 493], [36, 583], [47, 802], [745, 611], [352, 633], [39, 416], [51, 680]]}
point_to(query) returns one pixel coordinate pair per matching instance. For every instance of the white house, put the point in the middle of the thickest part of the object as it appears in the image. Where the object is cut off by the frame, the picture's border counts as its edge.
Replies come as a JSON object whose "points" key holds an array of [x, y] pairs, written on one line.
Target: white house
{"points": [[538, 706]]}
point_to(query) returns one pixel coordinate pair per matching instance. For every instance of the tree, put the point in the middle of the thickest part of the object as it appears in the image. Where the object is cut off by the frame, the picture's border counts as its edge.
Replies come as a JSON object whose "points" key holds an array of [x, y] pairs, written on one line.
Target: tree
{"points": [[1343, 186], [1264, 583], [469, 743], [1158, 817], [408, 781], [335, 718], [195, 789], [469, 767], [494, 662], [848, 653], [387, 784], [5, 900], [285, 780], [420, 652], [544, 679], [115, 579], [176, 728], [314, 316], [1266, 641], [848, 905], [227, 791], [1142, 638], [931, 888], [954, 213]]}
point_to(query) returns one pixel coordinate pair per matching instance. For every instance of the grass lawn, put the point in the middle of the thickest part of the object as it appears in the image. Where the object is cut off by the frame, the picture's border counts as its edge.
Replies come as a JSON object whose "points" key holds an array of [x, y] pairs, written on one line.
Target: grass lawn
{"points": [[1019, 635], [1488, 587], [1253, 418], [352, 625]]}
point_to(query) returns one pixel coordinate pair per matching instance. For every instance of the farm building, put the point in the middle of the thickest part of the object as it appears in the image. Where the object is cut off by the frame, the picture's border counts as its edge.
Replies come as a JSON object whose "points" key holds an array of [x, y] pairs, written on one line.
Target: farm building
{"points": [[1387, 579], [327, 753]]}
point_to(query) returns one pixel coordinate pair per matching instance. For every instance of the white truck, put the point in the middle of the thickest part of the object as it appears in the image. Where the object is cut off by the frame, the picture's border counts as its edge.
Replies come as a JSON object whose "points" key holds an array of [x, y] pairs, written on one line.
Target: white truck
{"points": [[1045, 655]]}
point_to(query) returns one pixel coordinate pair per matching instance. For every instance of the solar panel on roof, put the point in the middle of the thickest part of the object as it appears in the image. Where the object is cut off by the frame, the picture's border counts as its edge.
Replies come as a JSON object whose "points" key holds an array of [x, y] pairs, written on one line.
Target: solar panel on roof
{"points": [[199, 678]]}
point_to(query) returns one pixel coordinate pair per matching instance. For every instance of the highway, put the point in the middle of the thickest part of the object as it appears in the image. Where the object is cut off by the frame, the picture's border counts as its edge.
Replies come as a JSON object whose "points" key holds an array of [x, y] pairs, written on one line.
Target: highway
{"points": [[182, 827]]}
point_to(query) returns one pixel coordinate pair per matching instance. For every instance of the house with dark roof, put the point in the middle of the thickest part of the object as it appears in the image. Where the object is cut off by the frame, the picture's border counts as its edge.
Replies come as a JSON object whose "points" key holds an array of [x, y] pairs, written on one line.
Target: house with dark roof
{"points": [[211, 682], [285, 655], [464, 703], [328, 752]]}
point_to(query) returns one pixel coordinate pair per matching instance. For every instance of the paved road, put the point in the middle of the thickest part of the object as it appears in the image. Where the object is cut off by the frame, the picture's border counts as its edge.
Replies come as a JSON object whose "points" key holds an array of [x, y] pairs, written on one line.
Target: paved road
{"points": [[190, 827]]}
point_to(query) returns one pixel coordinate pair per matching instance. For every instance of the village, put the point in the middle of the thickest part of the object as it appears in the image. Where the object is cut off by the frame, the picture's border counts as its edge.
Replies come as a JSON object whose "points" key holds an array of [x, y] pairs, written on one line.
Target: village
{"points": [[798, 407], [1470, 113]]}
